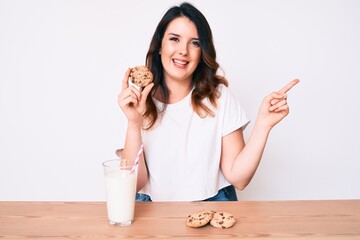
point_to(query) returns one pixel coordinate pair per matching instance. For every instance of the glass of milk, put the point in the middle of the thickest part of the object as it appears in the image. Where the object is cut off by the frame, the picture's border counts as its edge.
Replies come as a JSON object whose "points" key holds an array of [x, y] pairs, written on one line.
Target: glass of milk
{"points": [[120, 184]]}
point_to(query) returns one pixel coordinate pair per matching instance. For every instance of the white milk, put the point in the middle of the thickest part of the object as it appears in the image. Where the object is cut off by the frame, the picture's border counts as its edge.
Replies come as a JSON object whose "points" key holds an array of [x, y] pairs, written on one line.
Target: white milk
{"points": [[120, 194]]}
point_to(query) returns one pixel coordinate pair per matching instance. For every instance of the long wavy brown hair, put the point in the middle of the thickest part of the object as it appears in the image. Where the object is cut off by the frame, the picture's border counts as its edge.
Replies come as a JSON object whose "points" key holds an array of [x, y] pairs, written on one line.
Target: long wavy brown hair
{"points": [[205, 80]]}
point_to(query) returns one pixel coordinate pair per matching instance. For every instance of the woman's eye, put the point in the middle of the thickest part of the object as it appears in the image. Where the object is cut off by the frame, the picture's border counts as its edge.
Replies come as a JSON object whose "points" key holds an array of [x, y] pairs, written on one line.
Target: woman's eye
{"points": [[195, 43], [174, 39]]}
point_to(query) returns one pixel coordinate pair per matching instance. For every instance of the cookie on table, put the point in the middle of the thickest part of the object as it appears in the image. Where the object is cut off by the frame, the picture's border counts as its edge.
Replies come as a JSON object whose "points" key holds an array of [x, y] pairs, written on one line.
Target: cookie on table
{"points": [[141, 76], [199, 219], [222, 220]]}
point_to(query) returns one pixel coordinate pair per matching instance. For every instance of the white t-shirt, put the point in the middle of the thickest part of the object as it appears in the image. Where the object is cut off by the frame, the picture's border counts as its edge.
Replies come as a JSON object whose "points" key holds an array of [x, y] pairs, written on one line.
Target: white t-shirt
{"points": [[183, 150]]}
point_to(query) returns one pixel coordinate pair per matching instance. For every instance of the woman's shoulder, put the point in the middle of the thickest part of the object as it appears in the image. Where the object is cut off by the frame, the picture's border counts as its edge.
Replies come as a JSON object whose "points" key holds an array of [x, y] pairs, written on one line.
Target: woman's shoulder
{"points": [[226, 96], [223, 91]]}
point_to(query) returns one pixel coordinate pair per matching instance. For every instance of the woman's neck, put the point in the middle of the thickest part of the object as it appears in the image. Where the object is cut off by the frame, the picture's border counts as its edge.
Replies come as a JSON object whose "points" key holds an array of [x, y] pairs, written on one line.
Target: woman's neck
{"points": [[177, 91]]}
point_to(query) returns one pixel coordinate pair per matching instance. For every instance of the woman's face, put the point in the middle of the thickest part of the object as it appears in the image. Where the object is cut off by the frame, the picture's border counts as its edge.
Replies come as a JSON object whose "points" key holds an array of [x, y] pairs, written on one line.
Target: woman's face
{"points": [[180, 50]]}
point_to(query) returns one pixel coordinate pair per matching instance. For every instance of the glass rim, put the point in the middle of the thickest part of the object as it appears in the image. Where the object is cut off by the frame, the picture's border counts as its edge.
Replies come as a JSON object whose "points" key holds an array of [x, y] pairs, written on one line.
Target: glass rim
{"points": [[110, 162]]}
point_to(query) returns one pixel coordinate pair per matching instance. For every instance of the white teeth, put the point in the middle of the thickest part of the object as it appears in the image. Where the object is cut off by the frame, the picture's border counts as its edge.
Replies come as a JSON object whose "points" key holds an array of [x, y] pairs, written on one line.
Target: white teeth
{"points": [[180, 62]]}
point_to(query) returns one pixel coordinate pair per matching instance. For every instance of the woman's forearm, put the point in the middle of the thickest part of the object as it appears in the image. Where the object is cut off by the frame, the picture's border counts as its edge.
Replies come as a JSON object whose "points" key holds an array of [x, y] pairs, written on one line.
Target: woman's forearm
{"points": [[132, 146], [133, 141], [248, 160]]}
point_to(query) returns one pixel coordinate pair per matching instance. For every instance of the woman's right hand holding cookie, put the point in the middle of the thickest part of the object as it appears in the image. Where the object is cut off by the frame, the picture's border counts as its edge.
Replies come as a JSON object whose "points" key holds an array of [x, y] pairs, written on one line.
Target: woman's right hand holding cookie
{"points": [[131, 101]]}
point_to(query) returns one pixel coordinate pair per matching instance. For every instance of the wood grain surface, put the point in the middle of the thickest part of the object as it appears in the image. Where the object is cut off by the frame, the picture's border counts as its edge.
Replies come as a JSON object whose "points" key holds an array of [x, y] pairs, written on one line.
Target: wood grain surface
{"points": [[331, 219]]}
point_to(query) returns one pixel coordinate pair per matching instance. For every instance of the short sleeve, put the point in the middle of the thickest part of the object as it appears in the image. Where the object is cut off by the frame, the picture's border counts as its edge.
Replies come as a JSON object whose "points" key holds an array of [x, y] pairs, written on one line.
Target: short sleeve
{"points": [[234, 116]]}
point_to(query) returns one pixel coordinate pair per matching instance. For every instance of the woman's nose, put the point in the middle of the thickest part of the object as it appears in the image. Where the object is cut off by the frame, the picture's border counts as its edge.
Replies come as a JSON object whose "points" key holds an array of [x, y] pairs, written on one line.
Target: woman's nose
{"points": [[183, 49]]}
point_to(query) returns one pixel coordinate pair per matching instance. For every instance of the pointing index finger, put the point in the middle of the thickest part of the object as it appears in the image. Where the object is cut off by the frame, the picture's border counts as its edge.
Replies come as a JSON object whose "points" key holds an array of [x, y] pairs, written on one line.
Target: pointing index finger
{"points": [[289, 86]]}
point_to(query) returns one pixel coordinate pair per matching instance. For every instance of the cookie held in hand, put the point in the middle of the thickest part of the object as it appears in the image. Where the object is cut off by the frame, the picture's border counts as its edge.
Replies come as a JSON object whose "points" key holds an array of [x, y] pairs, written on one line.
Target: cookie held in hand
{"points": [[140, 76], [222, 220], [199, 219]]}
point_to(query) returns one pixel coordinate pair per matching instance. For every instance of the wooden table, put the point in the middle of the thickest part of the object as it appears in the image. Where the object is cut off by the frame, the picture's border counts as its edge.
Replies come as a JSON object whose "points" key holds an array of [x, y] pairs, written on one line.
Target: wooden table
{"points": [[337, 219]]}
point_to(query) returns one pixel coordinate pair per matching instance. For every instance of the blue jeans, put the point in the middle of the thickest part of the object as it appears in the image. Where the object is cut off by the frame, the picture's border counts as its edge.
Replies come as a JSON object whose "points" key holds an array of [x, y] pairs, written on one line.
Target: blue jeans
{"points": [[225, 194]]}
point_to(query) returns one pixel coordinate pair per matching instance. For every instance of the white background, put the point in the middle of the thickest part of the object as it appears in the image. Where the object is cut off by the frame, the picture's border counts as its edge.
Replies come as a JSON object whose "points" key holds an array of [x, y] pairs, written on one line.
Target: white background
{"points": [[62, 63]]}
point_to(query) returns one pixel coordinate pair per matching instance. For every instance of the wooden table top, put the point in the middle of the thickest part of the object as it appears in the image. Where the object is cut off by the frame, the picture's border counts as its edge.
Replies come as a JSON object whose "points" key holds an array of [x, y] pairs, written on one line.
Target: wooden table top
{"points": [[335, 219]]}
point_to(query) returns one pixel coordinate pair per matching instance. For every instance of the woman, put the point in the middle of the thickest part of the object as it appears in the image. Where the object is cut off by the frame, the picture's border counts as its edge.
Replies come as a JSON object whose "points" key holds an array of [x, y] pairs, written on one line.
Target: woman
{"points": [[190, 124]]}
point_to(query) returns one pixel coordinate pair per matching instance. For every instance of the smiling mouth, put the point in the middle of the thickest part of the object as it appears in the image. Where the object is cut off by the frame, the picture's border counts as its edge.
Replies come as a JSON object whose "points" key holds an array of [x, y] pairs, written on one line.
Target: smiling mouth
{"points": [[180, 63]]}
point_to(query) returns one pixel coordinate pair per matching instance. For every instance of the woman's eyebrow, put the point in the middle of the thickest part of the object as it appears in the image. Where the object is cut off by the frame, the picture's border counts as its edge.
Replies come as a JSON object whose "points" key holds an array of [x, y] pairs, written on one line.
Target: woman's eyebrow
{"points": [[177, 35], [174, 34]]}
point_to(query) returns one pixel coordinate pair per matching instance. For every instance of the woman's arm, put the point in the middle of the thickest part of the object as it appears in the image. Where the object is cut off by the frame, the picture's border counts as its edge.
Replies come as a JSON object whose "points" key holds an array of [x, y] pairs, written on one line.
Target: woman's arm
{"points": [[239, 161], [132, 146], [132, 103]]}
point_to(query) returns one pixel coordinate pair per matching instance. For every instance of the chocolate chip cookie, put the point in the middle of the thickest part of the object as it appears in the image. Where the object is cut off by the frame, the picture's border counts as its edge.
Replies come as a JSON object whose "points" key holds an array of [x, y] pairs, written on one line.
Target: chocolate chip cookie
{"points": [[222, 220], [199, 219], [141, 76]]}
